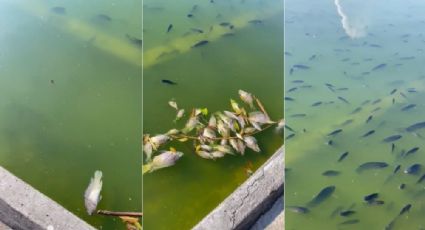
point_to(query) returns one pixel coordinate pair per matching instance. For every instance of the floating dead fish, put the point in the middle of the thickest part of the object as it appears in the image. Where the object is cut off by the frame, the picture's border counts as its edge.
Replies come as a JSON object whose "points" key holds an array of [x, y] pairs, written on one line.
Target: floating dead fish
{"points": [[413, 169], [378, 67], [324, 194], [200, 43], [343, 100], [58, 10], [169, 28], [92, 193], [371, 165], [299, 66], [368, 133], [331, 173], [343, 156], [335, 132], [408, 107], [169, 82], [415, 127], [165, 159], [392, 138], [298, 209], [411, 151]]}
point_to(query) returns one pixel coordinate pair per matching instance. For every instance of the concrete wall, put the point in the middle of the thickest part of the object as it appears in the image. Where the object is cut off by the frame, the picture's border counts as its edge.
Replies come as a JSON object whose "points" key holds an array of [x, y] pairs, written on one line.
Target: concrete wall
{"points": [[23, 207], [248, 202]]}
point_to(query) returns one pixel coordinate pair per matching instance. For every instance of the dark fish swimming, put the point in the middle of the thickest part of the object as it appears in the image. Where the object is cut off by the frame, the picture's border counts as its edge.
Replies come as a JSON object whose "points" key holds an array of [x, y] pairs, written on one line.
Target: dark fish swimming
{"points": [[396, 169], [299, 115], [392, 138], [299, 66], [422, 178], [103, 17], [330, 142], [200, 43], [289, 99], [324, 194], [371, 197], [393, 91], [197, 30], [353, 221], [369, 118], [408, 107], [331, 173], [356, 110], [411, 151], [335, 132], [392, 147], [316, 103], [343, 100], [169, 28], [378, 67], [415, 127], [347, 213], [255, 22], [288, 54], [349, 121], [371, 165], [290, 136], [298, 81], [402, 186], [135, 41], [376, 101], [289, 128], [225, 24], [343, 156], [413, 169], [405, 209], [292, 89], [169, 82], [368, 133], [59, 10]]}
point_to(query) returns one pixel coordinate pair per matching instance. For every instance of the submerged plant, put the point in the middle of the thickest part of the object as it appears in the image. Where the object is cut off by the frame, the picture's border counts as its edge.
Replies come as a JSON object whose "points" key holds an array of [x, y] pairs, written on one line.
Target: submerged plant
{"points": [[213, 135]]}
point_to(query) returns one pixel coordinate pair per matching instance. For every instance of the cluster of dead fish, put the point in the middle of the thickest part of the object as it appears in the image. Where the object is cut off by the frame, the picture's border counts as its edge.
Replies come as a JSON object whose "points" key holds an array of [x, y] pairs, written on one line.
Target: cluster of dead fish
{"points": [[214, 136]]}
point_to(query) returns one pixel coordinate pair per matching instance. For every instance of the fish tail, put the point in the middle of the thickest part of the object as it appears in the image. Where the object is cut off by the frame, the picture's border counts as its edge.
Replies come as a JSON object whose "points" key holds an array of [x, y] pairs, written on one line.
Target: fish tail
{"points": [[146, 168]]}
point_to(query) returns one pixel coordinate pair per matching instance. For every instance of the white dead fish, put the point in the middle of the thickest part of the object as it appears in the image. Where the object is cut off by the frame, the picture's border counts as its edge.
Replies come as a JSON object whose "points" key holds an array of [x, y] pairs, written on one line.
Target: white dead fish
{"points": [[249, 130], [251, 142], [190, 125], [246, 97], [92, 194], [158, 140], [223, 148], [179, 114], [173, 104], [165, 159], [209, 133], [172, 132], [217, 154], [235, 106], [238, 145], [222, 129], [204, 154], [259, 117], [280, 125], [212, 122], [147, 148]]}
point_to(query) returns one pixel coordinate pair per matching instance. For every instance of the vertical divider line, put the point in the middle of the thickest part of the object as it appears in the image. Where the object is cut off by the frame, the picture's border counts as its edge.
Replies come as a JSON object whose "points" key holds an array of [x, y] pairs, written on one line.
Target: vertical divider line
{"points": [[141, 146], [284, 109]]}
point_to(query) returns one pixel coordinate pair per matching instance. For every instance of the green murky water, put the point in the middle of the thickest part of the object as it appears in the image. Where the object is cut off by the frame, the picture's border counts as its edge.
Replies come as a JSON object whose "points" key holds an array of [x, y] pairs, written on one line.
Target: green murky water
{"points": [[206, 76], [54, 135], [392, 35]]}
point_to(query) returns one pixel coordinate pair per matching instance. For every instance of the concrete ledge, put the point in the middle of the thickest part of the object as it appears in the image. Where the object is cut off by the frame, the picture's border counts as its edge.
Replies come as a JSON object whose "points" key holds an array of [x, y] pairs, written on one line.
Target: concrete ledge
{"points": [[248, 202], [23, 207]]}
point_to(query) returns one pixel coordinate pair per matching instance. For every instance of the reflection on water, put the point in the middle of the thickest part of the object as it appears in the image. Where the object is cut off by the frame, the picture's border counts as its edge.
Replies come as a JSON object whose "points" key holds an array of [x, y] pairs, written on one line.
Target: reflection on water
{"points": [[350, 102], [70, 104], [244, 51]]}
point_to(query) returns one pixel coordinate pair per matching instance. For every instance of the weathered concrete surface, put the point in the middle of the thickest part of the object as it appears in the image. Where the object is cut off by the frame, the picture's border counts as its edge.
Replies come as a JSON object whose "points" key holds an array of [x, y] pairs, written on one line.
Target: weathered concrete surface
{"points": [[272, 219], [253, 198], [23, 207]]}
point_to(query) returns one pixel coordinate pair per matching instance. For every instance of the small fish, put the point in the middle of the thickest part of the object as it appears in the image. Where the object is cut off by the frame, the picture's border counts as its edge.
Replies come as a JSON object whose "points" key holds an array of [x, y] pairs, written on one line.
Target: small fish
{"points": [[335, 132], [396, 169], [343, 156], [330, 142], [405, 209], [224, 24], [411, 151], [347, 213], [365, 102], [59, 10], [299, 66], [292, 89], [349, 121], [343, 100], [353, 221], [169, 28], [197, 30], [255, 21], [189, 15], [422, 178], [169, 82], [290, 136], [322, 196], [411, 90], [380, 66], [402, 186], [408, 107], [52, 81], [415, 126], [288, 53], [200, 43], [298, 81], [312, 57], [331, 173], [371, 197], [289, 99], [369, 119], [298, 209], [392, 138], [317, 103], [376, 101], [413, 169], [392, 147], [134, 40], [393, 91], [291, 71], [299, 115], [371, 165], [104, 17], [368, 133]]}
